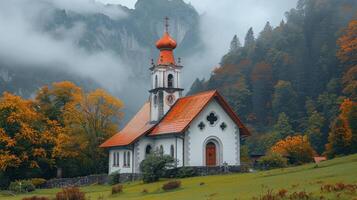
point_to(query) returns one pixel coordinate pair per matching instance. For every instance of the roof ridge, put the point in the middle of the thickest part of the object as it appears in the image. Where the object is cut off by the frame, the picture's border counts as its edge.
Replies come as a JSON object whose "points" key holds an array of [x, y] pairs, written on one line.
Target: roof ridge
{"points": [[199, 93]]}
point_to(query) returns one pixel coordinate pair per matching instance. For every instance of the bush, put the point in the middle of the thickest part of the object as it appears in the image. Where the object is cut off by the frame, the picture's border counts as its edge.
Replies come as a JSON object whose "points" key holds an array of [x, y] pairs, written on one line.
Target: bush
{"points": [[4, 181], [171, 185], [114, 178], [21, 186], [184, 172], [35, 198], [297, 149], [38, 182], [70, 193], [154, 166], [117, 189], [271, 161]]}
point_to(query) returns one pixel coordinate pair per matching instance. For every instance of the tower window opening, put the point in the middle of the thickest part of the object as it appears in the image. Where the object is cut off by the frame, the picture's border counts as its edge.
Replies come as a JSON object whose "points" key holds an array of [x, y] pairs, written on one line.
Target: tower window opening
{"points": [[156, 81], [170, 80]]}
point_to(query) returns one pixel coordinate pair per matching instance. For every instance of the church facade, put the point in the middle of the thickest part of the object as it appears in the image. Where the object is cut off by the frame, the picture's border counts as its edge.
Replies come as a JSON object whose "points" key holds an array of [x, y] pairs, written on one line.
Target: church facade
{"points": [[198, 130]]}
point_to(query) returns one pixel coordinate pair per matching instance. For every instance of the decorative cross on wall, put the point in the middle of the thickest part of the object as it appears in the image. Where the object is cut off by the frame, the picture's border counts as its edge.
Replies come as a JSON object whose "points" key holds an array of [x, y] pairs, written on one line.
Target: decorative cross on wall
{"points": [[201, 125], [212, 118], [223, 126]]}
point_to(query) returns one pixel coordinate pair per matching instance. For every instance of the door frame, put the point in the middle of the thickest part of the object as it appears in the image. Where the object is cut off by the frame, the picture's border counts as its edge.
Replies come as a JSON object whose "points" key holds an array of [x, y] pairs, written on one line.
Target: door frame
{"points": [[219, 153]]}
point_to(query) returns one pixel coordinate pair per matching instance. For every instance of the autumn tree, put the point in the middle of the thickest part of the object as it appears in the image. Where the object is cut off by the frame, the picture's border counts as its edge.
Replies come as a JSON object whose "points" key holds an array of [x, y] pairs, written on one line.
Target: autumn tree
{"points": [[342, 138], [296, 148], [29, 141], [347, 53], [90, 121]]}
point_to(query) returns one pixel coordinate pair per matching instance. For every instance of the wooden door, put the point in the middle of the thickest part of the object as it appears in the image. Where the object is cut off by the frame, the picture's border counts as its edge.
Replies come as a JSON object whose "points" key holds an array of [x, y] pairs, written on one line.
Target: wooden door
{"points": [[211, 154]]}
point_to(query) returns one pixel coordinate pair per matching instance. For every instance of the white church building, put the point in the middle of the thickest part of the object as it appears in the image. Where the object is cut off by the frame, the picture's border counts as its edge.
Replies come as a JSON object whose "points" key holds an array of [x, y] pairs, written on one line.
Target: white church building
{"points": [[198, 130]]}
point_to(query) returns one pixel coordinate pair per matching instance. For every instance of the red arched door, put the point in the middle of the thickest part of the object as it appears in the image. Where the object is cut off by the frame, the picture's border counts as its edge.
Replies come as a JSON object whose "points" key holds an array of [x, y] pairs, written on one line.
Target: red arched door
{"points": [[210, 154]]}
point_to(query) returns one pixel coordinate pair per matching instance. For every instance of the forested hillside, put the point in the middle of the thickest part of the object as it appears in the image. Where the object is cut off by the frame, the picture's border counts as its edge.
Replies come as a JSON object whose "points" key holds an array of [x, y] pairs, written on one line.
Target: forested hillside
{"points": [[291, 79]]}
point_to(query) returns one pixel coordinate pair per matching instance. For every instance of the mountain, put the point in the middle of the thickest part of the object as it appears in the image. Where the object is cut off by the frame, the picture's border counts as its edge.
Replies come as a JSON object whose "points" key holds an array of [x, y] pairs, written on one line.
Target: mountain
{"points": [[130, 38]]}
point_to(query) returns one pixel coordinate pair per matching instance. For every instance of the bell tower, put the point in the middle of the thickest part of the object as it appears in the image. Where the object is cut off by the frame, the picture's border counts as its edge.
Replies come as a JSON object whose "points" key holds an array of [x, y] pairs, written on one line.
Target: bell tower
{"points": [[165, 77]]}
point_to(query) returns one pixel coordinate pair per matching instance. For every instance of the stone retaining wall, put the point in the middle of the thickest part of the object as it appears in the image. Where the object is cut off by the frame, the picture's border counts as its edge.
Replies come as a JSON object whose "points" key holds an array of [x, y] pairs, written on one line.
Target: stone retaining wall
{"points": [[77, 181]]}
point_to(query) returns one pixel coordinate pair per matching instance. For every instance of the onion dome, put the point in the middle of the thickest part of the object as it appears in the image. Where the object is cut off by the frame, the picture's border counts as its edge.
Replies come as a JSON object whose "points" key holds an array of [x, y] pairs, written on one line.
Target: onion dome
{"points": [[166, 42]]}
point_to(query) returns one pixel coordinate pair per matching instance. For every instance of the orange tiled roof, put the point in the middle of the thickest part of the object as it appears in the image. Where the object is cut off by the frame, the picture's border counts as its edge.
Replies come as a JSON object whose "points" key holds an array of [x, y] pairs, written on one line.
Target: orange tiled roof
{"points": [[138, 126], [187, 108], [176, 120]]}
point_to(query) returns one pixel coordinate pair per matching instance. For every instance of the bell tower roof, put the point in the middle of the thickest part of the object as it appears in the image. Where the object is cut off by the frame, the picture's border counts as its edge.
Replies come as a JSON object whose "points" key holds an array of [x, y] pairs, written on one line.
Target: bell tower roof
{"points": [[166, 44]]}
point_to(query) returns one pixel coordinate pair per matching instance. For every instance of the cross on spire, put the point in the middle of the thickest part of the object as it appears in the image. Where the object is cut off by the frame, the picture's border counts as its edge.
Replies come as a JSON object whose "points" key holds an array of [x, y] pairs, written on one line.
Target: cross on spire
{"points": [[167, 24]]}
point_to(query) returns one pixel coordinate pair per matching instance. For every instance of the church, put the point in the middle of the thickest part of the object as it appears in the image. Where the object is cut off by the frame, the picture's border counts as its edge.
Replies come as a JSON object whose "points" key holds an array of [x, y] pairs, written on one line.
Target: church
{"points": [[197, 131]]}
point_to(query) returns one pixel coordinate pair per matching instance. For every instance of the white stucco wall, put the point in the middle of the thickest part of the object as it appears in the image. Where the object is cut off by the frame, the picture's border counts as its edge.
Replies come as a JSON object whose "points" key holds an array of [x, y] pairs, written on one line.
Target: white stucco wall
{"points": [[120, 167], [228, 139]]}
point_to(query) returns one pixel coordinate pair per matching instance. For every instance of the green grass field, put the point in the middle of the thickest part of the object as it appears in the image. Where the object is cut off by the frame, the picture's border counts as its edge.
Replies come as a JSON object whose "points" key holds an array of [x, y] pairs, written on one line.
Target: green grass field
{"points": [[234, 186]]}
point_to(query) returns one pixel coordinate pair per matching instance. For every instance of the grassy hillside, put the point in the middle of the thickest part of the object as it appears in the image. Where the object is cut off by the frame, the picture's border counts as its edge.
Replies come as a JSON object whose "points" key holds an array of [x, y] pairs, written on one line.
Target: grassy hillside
{"points": [[237, 186]]}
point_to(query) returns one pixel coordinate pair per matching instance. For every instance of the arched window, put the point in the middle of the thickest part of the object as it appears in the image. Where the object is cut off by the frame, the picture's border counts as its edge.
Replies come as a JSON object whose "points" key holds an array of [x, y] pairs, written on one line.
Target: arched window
{"points": [[170, 81], [147, 150], [156, 81], [161, 150], [155, 100], [172, 151], [128, 159]]}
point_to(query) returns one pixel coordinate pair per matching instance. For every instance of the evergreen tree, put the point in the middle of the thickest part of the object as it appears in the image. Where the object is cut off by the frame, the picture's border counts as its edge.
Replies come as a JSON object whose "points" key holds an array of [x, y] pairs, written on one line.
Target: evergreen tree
{"points": [[235, 44], [284, 99], [339, 139], [283, 127], [249, 40], [315, 124]]}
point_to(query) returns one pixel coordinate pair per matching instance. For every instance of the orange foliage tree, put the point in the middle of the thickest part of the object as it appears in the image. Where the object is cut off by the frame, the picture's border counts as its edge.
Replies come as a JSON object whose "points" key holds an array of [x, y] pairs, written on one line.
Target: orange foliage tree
{"points": [[296, 148], [342, 137], [28, 139], [347, 54]]}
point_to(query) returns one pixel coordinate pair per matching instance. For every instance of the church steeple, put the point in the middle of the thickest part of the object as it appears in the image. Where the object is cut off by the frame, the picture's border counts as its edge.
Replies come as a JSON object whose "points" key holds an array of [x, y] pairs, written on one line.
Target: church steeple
{"points": [[165, 77]]}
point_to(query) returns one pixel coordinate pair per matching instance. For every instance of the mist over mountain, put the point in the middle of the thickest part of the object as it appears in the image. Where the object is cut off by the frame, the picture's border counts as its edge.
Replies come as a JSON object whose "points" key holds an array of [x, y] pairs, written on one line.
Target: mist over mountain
{"points": [[92, 44]]}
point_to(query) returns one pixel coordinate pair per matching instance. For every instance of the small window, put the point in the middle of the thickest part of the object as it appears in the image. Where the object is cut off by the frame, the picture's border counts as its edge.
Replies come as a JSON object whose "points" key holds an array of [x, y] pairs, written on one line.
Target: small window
{"points": [[212, 118], [156, 81], [147, 150], [161, 150], [126, 157], [170, 81], [172, 151], [116, 159], [155, 100]]}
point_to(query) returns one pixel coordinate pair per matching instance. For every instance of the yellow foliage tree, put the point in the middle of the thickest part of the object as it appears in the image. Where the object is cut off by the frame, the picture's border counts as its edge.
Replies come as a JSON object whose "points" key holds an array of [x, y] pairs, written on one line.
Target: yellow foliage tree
{"points": [[27, 138], [91, 120], [296, 148]]}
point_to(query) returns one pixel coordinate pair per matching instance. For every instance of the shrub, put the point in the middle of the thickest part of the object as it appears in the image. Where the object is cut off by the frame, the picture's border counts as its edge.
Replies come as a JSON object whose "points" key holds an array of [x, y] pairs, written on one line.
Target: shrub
{"points": [[297, 149], [38, 182], [117, 189], [184, 172], [21, 186], [35, 198], [271, 161], [145, 191], [70, 193], [154, 166], [4, 181], [114, 178], [171, 185]]}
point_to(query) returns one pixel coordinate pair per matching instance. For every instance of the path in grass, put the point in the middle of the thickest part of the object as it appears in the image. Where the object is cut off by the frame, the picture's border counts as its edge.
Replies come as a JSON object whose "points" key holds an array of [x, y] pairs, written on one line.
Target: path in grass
{"points": [[236, 186]]}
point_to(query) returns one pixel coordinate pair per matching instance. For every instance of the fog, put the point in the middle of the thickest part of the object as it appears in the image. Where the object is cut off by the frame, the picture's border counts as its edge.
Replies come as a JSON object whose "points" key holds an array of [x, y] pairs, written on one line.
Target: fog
{"points": [[22, 43], [220, 21]]}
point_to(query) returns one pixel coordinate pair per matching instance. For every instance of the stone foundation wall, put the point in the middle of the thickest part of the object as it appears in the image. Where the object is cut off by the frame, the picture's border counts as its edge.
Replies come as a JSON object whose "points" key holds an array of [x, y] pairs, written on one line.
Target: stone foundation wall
{"points": [[77, 181]]}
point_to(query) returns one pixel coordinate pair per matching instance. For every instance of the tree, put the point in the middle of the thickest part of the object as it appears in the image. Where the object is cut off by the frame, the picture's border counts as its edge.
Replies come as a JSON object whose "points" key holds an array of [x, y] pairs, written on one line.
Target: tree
{"points": [[315, 124], [284, 99], [296, 148], [90, 121], [154, 166], [347, 53], [249, 40], [283, 127], [235, 44], [339, 139], [29, 142]]}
